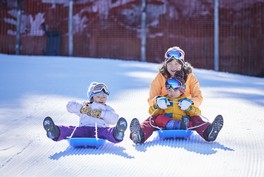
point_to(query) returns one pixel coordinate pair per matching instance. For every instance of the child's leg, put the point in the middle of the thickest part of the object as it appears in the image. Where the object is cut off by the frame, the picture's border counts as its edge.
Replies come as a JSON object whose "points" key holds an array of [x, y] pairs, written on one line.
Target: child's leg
{"points": [[84, 131], [162, 120], [166, 122], [107, 133], [79, 132], [65, 131]]}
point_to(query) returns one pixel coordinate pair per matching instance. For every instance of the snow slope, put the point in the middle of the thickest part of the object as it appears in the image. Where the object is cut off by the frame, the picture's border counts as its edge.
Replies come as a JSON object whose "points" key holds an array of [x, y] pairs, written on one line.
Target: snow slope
{"points": [[32, 87]]}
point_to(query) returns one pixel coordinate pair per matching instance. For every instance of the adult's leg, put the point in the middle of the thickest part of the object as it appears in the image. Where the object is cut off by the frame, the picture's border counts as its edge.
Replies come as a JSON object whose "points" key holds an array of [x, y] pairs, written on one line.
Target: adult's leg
{"points": [[199, 125]]}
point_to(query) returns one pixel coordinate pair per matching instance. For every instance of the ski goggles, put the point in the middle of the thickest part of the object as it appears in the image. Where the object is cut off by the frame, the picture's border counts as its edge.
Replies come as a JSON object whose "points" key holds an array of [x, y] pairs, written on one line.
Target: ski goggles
{"points": [[99, 88], [174, 84], [174, 54]]}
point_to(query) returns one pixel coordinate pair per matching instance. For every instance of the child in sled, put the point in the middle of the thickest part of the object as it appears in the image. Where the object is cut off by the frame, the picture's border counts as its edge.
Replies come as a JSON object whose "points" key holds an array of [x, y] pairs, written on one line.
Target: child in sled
{"points": [[175, 112], [93, 113]]}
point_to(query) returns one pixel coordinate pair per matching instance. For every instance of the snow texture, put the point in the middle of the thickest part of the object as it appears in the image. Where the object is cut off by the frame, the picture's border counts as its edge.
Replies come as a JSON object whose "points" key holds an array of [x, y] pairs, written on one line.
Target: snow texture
{"points": [[33, 87]]}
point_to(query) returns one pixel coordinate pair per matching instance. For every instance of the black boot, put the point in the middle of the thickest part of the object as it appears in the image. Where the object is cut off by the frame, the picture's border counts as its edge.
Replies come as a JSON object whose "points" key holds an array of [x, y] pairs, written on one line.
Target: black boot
{"points": [[211, 132], [173, 125], [185, 123], [120, 129], [53, 132], [137, 134]]}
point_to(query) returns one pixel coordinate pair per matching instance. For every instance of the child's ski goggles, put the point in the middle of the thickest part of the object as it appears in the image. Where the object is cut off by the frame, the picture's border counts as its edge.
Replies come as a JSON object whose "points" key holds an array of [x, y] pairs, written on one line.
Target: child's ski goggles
{"points": [[174, 84], [99, 88]]}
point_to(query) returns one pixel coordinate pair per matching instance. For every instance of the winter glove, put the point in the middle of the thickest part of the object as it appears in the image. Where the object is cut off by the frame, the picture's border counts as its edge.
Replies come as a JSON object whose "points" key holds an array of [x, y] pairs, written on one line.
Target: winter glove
{"points": [[185, 104], [95, 113], [85, 109], [74, 107], [162, 102], [98, 106]]}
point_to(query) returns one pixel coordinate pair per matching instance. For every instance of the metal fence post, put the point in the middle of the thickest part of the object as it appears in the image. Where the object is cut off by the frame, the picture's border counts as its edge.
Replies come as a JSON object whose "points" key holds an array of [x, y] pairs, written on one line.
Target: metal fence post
{"points": [[70, 35], [143, 29], [216, 36], [18, 25]]}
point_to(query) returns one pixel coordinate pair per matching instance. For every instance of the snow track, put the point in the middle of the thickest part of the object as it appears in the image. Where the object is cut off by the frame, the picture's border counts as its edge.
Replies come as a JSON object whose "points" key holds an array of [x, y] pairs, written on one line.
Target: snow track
{"points": [[37, 87]]}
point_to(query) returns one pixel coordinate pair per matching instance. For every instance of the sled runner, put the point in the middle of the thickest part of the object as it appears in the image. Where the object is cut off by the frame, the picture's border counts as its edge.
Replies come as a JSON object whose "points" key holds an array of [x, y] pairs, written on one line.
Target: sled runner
{"points": [[174, 134], [86, 142]]}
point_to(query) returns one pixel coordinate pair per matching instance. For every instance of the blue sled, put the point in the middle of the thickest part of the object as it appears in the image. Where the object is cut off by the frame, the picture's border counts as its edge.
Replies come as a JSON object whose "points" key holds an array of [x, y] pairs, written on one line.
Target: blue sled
{"points": [[174, 134], [86, 142]]}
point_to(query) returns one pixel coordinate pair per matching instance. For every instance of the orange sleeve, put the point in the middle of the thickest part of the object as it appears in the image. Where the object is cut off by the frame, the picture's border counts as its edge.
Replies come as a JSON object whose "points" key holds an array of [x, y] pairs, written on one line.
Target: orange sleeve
{"points": [[157, 88], [193, 90]]}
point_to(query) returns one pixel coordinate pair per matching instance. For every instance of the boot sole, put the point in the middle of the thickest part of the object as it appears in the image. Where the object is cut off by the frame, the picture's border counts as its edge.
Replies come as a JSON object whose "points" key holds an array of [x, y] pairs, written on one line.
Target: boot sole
{"points": [[48, 124], [216, 127], [135, 131], [121, 125], [51, 129], [120, 128]]}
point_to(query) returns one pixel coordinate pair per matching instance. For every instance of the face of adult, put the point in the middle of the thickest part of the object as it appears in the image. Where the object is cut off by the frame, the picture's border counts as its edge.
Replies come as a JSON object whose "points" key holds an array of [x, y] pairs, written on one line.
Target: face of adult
{"points": [[173, 66]]}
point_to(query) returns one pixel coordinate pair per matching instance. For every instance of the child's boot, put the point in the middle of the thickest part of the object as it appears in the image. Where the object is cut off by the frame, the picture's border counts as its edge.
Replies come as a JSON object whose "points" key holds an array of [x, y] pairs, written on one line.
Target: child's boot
{"points": [[137, 134], [119, 130], [211, 132], [184, 123], [53, 132], [173, 125]]}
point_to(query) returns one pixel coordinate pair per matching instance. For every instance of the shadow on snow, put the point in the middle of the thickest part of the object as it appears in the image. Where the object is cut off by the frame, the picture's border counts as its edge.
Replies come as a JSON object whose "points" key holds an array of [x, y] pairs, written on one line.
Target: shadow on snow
{"points": [[192, 144]]}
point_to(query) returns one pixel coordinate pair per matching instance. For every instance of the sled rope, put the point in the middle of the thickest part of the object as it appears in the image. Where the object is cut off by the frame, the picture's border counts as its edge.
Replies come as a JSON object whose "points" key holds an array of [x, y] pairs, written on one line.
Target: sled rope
{"points": [[96, 132], [73, 132], [151, 123], [197, 126]]}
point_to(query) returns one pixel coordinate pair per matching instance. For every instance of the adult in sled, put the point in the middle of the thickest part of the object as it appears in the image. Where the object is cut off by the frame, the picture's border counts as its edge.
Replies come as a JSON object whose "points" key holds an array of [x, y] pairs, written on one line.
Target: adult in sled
{"points": [[174, 65], [93, 113], [175, 114]]}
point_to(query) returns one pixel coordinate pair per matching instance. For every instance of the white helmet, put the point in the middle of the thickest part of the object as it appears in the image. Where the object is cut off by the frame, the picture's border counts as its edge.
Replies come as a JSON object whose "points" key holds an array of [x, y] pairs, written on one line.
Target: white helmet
{"points": [[175, 52]]}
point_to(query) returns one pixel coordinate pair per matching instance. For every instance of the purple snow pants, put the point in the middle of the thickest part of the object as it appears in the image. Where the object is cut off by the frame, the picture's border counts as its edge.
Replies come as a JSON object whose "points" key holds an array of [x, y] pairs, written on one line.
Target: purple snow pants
{"points": [[194, 121], [89, 132]]}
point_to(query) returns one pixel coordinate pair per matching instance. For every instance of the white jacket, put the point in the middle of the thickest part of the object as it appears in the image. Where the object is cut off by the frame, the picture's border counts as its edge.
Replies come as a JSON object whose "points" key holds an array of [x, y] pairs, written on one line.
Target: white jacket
{"points": [[108, 115]]}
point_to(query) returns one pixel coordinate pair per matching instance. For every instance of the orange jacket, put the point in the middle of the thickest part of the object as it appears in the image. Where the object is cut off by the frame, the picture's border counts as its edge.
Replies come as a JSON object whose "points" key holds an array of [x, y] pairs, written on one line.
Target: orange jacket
{"points": [[192, 91], [173, 111]]}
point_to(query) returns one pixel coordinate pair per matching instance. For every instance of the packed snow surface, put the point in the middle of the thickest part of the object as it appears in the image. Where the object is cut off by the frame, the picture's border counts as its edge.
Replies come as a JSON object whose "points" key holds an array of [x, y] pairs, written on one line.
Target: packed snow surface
{"points": [[33, 87]]}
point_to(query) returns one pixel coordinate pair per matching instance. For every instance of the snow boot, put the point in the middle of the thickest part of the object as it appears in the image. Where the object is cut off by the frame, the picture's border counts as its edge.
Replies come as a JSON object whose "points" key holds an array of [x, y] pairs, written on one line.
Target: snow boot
{"points": [[137, 134], [184, 123], [119, 130], [212, 130], [173, 125], [53, 132]]}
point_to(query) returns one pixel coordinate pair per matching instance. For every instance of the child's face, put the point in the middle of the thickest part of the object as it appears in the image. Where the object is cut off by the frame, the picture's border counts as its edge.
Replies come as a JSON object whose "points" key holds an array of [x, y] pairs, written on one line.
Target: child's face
{"points": [[174, 93], [100, 99], [173, 66]]}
